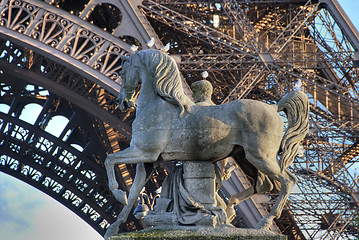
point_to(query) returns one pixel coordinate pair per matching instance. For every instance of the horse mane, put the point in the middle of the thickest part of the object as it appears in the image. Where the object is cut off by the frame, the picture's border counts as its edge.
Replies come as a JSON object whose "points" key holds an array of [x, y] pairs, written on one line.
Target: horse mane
{"points": [[167, 80]]}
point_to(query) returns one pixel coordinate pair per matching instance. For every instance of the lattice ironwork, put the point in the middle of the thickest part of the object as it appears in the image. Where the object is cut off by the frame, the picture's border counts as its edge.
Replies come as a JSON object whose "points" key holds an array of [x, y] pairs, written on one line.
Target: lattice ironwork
{"points": [[72, 39], [53, 164], [74, 176]]}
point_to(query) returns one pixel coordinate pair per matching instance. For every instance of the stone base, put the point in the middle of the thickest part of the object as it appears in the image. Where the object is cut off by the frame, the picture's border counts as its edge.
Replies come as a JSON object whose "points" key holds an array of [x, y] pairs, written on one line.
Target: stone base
{"points": [[158, 219], [199, 233]]}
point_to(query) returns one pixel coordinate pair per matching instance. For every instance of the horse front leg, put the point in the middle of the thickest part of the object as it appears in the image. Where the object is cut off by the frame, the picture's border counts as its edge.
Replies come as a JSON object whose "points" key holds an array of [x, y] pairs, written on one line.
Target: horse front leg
{"points": [[138, 184], [131, 155]]}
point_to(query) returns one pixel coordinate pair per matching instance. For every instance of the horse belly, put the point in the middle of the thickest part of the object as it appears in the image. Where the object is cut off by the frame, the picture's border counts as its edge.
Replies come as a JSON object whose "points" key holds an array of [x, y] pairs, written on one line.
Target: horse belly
{"points": [[208, 139], [213, 154]]}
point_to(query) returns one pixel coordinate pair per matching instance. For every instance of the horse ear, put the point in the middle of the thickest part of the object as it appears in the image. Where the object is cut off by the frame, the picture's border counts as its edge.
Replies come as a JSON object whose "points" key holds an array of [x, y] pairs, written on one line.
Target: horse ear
{"points": [[125, 58]]}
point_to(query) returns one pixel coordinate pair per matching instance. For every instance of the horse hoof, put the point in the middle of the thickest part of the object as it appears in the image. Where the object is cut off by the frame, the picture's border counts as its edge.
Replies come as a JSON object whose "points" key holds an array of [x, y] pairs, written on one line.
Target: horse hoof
{"points": [[120, 196], [231, 214], [110, 232], [264, 224]]}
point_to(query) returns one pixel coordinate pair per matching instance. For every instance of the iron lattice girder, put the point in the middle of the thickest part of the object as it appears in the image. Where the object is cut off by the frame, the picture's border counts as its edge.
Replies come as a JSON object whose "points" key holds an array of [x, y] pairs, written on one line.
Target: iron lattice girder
{"points": [[340, 53], [209, 35], [64, 82], [232, 62], [307, 75], [177, 20], [81, 47], [171, 15], [320, 197], [304, 15], [249, 43], [198, 30], [72, 86], [214, 62], [75, 178], [57, 169], [243, 26]]}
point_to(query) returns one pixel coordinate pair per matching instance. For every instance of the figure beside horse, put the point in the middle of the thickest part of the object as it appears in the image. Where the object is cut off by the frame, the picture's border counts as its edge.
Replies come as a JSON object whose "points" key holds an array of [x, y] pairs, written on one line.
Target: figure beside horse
{"points": [[169, 126]]}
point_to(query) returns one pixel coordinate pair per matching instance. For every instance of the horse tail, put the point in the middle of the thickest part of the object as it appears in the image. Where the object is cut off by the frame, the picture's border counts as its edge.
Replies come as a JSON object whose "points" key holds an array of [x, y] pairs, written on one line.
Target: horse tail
{"points": [[296, 107]]}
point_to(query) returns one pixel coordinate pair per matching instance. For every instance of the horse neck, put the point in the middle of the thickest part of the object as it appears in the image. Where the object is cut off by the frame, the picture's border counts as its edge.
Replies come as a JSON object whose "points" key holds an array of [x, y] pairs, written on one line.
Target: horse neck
{"points": [[150, 105], [147, 94]]}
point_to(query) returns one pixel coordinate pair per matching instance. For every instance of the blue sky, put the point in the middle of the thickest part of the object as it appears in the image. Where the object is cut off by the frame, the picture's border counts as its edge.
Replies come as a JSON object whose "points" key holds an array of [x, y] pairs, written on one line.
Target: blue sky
{"points": [[351, 8], [28, 214]]}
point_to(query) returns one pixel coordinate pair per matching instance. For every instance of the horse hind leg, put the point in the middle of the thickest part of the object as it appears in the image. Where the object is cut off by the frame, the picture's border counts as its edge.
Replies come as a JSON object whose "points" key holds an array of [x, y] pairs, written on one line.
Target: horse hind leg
{"points": [[268, 165], [261, 183], [287, 180]]}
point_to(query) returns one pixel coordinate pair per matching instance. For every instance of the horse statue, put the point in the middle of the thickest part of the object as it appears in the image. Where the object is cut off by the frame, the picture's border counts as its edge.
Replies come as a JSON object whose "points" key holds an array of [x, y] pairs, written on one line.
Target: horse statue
{"points": [[169, 126]]}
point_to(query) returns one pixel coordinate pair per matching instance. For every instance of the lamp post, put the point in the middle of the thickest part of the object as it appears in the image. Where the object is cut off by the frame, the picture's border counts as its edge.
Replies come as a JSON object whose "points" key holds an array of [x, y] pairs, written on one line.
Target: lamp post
{"points": [[146, 203]]}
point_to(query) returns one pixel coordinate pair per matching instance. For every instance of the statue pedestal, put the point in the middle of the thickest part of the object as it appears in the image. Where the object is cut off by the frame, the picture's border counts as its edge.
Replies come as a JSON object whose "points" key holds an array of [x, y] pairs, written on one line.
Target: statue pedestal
{"points": [[200, 233], [188, 198], [170, 219], [199, 181]]}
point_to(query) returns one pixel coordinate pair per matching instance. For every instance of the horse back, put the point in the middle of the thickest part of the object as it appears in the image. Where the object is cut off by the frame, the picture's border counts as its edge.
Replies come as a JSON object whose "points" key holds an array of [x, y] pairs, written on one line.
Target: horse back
{"points": [[245, 115], [213, 131]]}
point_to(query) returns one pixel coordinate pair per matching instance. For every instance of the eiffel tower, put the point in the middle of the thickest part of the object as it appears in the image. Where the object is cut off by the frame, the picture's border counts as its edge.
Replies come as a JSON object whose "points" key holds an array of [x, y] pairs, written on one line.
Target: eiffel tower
{"points": [[60, 64]]}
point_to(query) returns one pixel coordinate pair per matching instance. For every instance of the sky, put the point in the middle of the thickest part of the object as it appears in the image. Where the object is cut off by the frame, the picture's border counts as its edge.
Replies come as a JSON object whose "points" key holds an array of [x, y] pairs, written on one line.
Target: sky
{"points": [[351, 9], [27, 213]]}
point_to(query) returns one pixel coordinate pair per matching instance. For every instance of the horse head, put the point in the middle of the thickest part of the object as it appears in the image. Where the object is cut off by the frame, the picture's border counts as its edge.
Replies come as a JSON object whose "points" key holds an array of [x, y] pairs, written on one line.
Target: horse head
{"points": [[130, 83], [158, 68]]}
